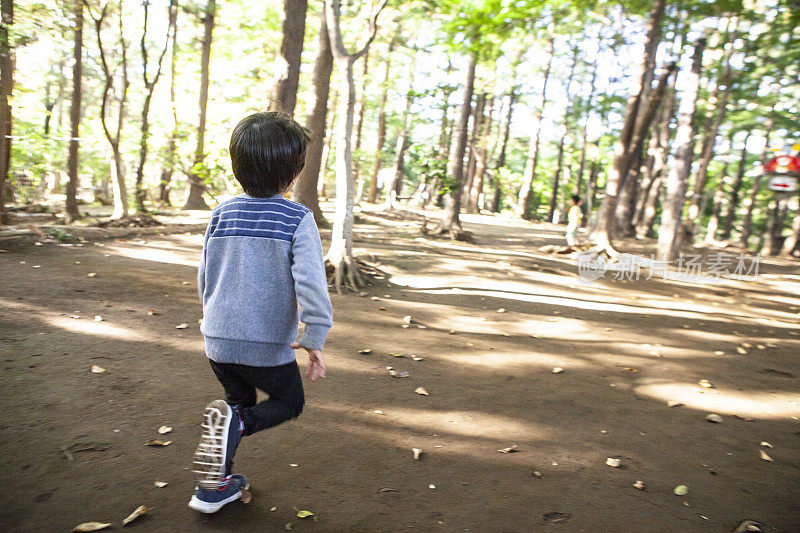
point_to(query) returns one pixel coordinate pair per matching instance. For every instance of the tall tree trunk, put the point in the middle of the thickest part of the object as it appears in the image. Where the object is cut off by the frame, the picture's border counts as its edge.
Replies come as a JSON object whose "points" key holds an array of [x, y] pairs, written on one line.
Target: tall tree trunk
{"points": [[403, 143], [604, 229], [340, 253], [494, 205], [719, 196], [305, 189], [747, 222], [372, 197], [560, 158], [195, 199], [791, 246], [169, 167], [443, 150], [737, 185], [481, 161], [72, 213], [451, 222], [777, 220], [584, 135], [529, 176], [477, 118], [149, 86], [287, 65], [7, 88], [362, 108], [669, 235], [720, 98]]}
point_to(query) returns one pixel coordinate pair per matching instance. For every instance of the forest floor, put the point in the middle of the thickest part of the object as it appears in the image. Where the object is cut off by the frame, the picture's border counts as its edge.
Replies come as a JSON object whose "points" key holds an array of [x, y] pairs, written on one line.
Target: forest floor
{"points": [[498, 316]]}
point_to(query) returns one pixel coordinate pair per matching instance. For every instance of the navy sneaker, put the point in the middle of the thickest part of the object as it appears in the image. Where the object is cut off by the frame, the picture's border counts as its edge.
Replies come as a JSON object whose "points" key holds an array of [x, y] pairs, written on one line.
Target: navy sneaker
{"points": [[213, 458], [211, 501]]}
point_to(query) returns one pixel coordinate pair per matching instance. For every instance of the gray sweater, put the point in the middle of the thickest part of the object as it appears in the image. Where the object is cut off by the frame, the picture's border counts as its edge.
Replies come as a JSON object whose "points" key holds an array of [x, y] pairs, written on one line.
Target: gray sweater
{"points": [[261, 257]]}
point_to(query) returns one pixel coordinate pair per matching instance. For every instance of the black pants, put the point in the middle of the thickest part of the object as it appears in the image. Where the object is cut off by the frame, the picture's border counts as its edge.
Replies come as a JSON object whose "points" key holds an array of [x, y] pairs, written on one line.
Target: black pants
{"points": [[282, 383]]}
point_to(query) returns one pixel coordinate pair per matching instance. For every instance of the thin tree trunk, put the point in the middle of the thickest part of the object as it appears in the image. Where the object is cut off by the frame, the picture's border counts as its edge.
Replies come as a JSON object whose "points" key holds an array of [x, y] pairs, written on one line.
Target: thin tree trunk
{"points": [[195, 199], [451, 222], [403, 143], [604, 229], [477, 121], [747, 222], [737, 185], [529, 175], [169, 167], [669, 235], [7, 88], [72, 213], [340, 253], [305, 189], [716, 209], [149, 86], [287, 65], [373, 184], [720, 97], [777, 220], [494, 206], [791, 246], [589, 103], [362, 108], [560, 158], [481, 161]]}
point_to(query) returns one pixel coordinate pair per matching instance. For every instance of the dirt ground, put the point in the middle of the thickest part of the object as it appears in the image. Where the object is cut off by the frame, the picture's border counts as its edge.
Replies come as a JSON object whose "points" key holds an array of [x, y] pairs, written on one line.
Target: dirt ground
{"points": [[73, 442]]}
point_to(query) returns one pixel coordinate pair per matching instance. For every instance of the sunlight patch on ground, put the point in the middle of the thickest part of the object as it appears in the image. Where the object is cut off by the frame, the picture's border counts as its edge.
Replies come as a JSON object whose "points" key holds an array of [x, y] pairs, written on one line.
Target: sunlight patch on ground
{"points": [[505, 359], [768, 405], [153, 254]]}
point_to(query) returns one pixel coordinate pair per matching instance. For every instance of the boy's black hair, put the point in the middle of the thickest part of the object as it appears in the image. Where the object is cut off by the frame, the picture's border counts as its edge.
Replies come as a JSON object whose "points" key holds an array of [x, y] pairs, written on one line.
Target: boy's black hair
{"points": [[575, 199], [268, 151]]}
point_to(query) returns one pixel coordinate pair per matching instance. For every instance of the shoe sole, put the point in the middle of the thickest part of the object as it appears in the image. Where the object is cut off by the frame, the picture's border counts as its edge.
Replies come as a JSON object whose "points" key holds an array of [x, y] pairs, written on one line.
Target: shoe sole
{"points": [[209, 457], [208, 508]]}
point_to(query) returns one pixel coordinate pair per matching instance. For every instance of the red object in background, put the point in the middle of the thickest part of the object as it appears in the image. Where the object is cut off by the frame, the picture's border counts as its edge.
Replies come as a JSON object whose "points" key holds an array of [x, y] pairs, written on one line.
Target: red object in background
{"points": [[783, 164]]}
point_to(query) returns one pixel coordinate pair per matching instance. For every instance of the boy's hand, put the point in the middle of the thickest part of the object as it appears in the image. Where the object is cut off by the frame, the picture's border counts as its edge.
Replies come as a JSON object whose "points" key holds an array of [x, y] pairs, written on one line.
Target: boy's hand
{"points": [[316, 365]]}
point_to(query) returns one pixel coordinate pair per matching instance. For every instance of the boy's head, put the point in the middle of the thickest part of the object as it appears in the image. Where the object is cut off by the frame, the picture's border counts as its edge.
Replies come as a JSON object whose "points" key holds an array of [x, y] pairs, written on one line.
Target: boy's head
{"points": [[268, 151], [576, 200]]}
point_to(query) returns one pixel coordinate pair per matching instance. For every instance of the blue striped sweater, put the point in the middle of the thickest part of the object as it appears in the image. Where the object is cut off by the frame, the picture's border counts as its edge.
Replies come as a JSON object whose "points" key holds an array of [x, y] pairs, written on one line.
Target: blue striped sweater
{"points": [[261, 257]]}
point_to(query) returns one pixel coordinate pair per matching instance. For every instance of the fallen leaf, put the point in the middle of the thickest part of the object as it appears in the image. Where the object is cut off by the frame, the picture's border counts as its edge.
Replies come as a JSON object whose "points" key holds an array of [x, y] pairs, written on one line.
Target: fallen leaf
{"points": [[741, 350], [639, 485], [160, 484], [554, 517], [421, 391], [681, 490], [400, 374], [365, 352], [155, 442], [288, 527], [304, 514], [407, 319], [715, 418], [393, 354], [75, 316], [765, 444], [746, 526], [163, 430], [381, 309], [97, 369], [378, 412], [91, 275], [417, 453], [182, 326], [152, 312], [746, 345], [537, 474], [611, 461], [557, 370], [139, 511], [719, 352], [510, 449], [98, 318], [501, 310], [765, 456], [431, 486], [92, 526], [674, 403], [415, 358], [273, 509], [705, 383], [404, 326], [452, 332], [293, 464]]}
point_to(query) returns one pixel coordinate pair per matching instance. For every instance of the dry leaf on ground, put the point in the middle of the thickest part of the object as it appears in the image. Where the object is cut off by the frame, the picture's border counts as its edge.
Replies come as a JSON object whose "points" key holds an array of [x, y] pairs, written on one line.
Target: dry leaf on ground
{"points": [[155, 442], [92, 526], [639, 485], [510, 449], [421, 391], [417, 453], [611, 461], [164, 430], [97, 369], [557, 370], [715, 418], [182, 326], [139, 511], [765, 456]]}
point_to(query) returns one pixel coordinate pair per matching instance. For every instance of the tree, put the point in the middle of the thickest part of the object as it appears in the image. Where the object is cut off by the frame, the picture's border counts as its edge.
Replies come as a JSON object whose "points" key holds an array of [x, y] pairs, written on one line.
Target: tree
{"points": [[169, 166], [120, 188], [560, 158], [195, 199], [604, 228], [6, 90], [529, 176], [669, 235], [340, 253], [149, 85], [747, 222], [403, 142], [305, 189], [372, 196], [72, 213], [733, 203], [287, 66]]}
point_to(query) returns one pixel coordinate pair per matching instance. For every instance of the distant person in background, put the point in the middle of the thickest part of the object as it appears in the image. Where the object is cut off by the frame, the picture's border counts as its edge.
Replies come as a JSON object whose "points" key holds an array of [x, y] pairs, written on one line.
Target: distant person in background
{"points": [[574, 218]]}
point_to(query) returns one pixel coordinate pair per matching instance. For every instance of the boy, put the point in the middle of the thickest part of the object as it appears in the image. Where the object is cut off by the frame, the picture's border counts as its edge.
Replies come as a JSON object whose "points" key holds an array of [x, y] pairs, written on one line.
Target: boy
{"points": [[261, 256], [574, 217]]}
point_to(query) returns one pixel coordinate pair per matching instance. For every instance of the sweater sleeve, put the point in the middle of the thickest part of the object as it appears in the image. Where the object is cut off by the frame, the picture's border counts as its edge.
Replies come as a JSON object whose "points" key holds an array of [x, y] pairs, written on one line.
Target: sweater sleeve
{"points": [[311, 284], [201, 269]]}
